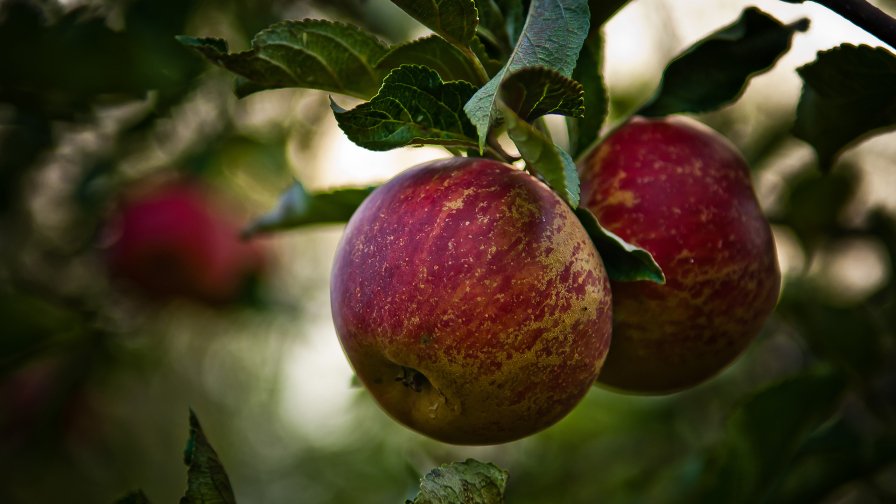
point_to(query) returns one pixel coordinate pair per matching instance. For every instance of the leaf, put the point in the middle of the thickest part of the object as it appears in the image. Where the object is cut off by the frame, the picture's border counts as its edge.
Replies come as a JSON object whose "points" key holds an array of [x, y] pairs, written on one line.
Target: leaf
{"points": [[491, 65], [584, 131], [623, 261], [314, 54], [543, 158], [847, 96], [298, 208], [514, 18], [136, 497], [765, 432], [413, 106], [207, 482], [454, 20], [492, 24], [468, 482], [603, 10], [552, 37], [715, 71], [433, 52], [535, 91]]}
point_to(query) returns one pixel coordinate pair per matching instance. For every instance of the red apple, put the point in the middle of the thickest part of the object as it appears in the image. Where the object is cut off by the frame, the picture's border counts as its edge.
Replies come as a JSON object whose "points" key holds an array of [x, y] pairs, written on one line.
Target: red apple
{"points": [[471, 302], [173, 241], [682, 192]]}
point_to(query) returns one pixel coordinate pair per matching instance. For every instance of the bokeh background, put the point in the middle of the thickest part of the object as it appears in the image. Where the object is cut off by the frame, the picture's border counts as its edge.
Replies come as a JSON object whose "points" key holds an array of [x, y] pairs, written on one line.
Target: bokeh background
{"points": [[97, 100]]}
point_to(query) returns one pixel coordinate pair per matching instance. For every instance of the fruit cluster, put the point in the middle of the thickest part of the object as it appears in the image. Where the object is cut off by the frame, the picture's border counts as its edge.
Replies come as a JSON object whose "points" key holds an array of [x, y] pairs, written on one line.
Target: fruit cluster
{"points": [[475, 308]]}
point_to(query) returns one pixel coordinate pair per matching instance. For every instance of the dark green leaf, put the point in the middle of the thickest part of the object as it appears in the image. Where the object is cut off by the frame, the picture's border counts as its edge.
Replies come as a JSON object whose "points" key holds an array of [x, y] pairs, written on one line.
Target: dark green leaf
{"points": [[468, 482], [492, 24], [765, 432], [433, 52], [623, 261], [715, 71], [491, 65], [603, 10], [584, 132], [454, 20], [847, 96], [552, 37], [543, 158], [298, 208], [313, 54], [137, 497], [207, 482], [413, 106], [535, 91], [514, 18]]}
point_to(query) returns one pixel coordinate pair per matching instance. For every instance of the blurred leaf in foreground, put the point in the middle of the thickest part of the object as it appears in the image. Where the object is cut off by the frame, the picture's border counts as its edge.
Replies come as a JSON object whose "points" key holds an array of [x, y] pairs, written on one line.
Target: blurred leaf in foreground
{"points": [[207, 482], [468, 482]]}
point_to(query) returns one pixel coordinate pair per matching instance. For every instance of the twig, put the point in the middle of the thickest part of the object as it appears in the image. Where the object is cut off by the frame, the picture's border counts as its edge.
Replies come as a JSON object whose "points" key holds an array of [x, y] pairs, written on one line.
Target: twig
{"points": [[865, 16]]}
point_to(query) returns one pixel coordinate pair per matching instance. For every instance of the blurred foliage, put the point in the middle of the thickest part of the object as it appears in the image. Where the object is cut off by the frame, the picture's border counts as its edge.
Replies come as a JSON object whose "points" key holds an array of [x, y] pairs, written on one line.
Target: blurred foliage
{"points": [[97, 97]]}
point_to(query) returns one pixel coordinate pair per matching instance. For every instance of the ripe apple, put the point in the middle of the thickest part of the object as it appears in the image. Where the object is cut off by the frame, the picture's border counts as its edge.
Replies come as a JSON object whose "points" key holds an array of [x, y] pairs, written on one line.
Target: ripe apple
{"points": [[471, 302], [172, 241], [682, 192]]}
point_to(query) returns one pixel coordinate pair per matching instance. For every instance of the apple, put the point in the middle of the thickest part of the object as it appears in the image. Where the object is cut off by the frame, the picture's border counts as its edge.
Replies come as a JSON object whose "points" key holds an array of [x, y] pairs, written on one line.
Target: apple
{"points": [[681, 191], [173, 241], [470, 301]]}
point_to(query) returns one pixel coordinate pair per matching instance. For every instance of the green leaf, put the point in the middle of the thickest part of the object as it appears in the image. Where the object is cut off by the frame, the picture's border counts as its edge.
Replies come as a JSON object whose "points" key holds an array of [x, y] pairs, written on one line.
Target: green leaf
{"points": [[514, 13], [433, 52], [468, 482], [136, 497], [492, 24], [583, 132], [552, 37], [603, 10], [298, 208], [623, 261], [848, 94], [413, 106], [535, 91], [491, 65], [313, 54], [715, 71], [207, 482], [454, 20], [764, 433], [543, 158]]}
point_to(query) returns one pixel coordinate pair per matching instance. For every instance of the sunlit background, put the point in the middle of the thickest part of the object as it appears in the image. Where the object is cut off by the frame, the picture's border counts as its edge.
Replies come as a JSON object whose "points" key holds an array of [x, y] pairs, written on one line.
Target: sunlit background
{"points": [[268, 379]]}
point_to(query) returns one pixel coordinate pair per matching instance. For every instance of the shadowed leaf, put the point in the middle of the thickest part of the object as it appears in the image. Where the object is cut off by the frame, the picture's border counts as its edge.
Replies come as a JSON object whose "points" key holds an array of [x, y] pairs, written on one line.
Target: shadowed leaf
{"points": [[313, 54], [584, 131], [848, 94], [715, 71], [623, 261], [433, 52], [454, 20]]}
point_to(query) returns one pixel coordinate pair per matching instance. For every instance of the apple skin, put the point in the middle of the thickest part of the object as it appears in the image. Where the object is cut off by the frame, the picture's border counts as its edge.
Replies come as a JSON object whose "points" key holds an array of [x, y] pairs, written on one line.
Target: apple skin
{"points": [[173, 241], [471, 302], [681, 191]]}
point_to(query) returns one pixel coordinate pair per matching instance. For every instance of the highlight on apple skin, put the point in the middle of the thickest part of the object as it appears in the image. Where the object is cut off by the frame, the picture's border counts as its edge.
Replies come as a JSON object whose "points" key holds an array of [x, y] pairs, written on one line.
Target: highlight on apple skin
{"points": [[471, 302], [173, 241], [681, 191]]}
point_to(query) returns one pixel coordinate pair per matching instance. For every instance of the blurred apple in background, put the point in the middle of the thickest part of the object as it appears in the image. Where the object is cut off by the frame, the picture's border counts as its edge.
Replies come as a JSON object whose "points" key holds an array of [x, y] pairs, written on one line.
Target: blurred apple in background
{"points": [[175, 240]]}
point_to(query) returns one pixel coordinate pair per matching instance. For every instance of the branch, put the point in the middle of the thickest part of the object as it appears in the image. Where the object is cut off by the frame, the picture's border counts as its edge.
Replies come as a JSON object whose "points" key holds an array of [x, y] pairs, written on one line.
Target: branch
{"points": [[864, 15]]}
